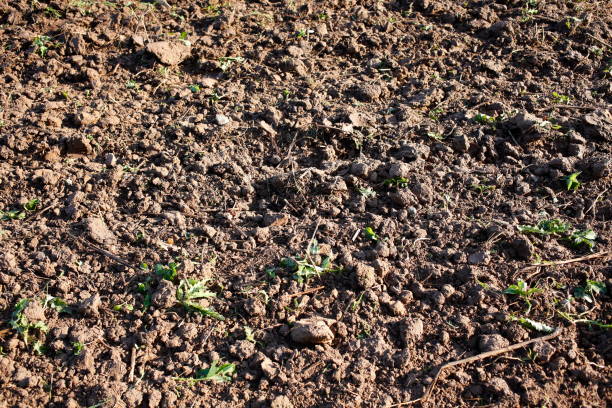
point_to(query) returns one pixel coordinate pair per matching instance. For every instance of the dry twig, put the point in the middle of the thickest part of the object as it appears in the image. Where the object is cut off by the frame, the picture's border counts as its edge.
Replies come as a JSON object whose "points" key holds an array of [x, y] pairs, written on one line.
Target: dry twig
{"points": [[477, 357]]}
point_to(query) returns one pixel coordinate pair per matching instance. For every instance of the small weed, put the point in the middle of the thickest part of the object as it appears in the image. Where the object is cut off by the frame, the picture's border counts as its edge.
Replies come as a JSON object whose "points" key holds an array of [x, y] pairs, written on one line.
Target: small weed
{"points": [[131, 84], [12, 215], [436, 135], [322, 16], [191, 289], [583, 238], [215, 97], [589, 290], [123, 306], [305, 33], [571, 182], [571, 318], [51, 12], [546, 227], [435, 113], [20, 323], [303, 269], [397, 182], [529, 9], [77, 348], [485, 119], [249, 335], [356, 304], [367, 192], [560, 99], [41, 44], [168, 272], [524, 291], [225, 63], [482, 188], [216, 372], [370, 234], [31, 205], [56, 303], [194, 88]]}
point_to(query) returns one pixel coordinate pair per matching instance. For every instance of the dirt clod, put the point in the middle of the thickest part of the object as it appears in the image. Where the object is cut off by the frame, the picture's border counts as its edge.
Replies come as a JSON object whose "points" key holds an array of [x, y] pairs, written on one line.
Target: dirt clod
{"points": [[170, 52], [311, 331]]}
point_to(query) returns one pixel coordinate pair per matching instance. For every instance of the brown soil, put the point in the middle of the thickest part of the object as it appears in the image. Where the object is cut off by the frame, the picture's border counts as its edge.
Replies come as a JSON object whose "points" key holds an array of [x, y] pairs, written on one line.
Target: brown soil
{"points": [[285, 128]]}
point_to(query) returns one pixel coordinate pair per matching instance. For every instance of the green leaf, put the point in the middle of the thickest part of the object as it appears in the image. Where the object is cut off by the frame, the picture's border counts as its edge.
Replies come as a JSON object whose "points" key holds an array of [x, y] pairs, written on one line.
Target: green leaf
{"points": [[31, 205], [571, 182], [584, 238], [216, 372], [168, 272], [533, 325], [205, 311], [546, 227]]}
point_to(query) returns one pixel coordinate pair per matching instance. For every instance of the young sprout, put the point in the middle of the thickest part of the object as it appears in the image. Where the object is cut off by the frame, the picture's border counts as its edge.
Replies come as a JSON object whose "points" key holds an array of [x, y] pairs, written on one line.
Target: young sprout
{"points": [[583, 238], [571, 182], [485, 119], [397, 182], [216, 372], [41, 44], [589, 290], [522, 290], [369, 232], [546, 227]]}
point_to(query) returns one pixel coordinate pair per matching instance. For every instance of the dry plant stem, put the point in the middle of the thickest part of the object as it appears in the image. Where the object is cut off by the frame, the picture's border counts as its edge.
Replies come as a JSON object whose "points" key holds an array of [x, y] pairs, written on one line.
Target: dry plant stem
{"points": [[132, 364], [307, 291], [567, 261], [477, 357], [103, 251]]}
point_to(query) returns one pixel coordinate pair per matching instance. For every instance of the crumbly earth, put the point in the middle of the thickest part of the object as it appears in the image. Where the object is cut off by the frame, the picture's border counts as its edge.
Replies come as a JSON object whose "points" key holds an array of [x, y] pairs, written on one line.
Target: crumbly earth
{"points": [[225, 136]]}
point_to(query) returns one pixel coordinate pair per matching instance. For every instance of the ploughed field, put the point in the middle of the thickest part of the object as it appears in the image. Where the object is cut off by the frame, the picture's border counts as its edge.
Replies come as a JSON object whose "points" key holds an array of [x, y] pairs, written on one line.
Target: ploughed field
{"points": [[305, 203]]}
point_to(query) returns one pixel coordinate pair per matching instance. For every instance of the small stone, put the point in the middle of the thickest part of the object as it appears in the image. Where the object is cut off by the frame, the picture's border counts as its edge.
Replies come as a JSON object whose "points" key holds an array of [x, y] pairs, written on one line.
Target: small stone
{"points": [[110, 160], [499, 386], [90, 306], [367, 92], [222, 120], [399, 170], [461, 143], [523, 248], [98, 231], [170, 52], [480, 257], [397, 308], [544, 350], [165, 295], [86, 119], [412, 330], [490, 342], [311, 331], [281, 402], [78, 145], [359, 169], [275, 219], [175, 218], [365, 275]]}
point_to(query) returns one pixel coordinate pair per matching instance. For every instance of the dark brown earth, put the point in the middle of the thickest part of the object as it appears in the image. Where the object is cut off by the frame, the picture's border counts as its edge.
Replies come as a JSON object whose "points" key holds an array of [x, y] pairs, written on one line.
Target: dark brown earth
{"points": [[226, 136]]}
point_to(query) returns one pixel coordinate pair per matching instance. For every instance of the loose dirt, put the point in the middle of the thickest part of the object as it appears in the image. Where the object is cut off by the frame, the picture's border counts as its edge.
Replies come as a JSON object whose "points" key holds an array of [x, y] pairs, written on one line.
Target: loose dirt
{"points": [[304, 204]]}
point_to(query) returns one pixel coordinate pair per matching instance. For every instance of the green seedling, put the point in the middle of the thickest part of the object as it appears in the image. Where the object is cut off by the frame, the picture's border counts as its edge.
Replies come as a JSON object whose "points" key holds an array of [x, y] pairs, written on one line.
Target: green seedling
{"points": [[436, 135], [20, 323], [226, 63], [216, 372], [12, 215], [571, 318], [168, 272], [583, 238], [529, 10], [194, 88], [482, 188], [532, 324], [124, 306], [77, 348], [355, 304], [522, 290], [31, 205], [190, 290], [546, 227], [41, 44], [588, 291], [571, 182], [145, 289], [56, 304], [215, 97], [50, 11], [305, 33], [558, 98], [131, 84], [39, 348], [303, 269], [485, 119], [435, 113], [371, 234], [397, 182], [367, 192], [249, 335]]}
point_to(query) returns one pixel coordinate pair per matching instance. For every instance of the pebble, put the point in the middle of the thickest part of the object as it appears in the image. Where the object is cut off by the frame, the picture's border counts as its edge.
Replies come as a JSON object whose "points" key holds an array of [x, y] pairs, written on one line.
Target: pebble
{"points": [[222, 120]]}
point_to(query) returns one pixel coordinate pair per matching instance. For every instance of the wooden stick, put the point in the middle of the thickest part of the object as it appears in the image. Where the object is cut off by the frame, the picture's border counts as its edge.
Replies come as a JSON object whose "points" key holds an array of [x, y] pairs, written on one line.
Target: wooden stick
{"points": [[476, 358], [567, 261], [307, 291], [103, 252]]}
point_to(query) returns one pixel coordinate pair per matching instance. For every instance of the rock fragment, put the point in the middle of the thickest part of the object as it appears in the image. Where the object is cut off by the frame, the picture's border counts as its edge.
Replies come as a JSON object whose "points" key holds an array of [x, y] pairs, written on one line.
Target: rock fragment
{"points": [[311, 331], [170, 52], [98, 231]]}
